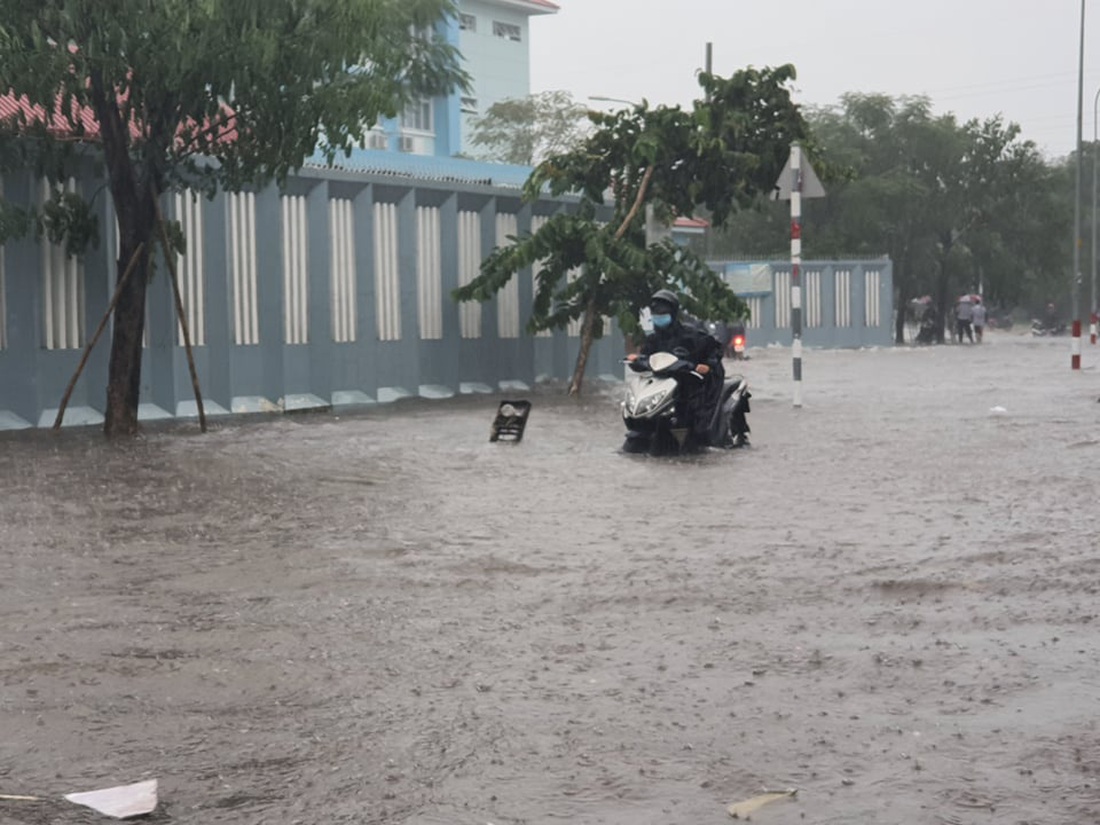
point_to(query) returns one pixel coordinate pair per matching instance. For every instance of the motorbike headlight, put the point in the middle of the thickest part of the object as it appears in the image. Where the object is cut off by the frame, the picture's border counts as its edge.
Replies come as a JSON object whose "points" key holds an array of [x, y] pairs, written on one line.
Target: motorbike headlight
{"points": [[653, 402]]}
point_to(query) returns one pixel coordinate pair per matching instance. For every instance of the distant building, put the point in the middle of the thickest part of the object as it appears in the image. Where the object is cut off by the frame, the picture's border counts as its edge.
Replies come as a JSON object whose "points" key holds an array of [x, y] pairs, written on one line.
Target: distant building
{"points": [[494, 38]]}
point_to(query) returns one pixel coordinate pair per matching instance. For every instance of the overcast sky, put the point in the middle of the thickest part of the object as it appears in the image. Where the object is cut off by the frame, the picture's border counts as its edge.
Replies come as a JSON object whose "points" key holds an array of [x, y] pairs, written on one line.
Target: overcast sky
{"points": [[976, 58]]}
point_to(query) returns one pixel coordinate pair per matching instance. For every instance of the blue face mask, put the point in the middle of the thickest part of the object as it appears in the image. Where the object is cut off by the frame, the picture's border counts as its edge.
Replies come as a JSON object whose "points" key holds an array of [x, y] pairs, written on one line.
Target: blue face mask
{"points": [[660, 321]]}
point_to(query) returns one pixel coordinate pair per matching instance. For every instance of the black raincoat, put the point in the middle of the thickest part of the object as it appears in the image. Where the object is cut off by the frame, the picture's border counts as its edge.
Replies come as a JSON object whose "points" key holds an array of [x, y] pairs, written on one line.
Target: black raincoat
{"points": [[695, 344]]}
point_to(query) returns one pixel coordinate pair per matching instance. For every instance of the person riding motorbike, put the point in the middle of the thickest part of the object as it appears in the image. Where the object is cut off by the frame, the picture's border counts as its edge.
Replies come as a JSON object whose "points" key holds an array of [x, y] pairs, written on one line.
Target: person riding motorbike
{"points": [[692, 343]]}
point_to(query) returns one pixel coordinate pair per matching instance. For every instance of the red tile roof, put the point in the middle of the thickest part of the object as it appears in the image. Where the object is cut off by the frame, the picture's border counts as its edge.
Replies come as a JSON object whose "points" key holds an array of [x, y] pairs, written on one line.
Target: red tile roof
{"points": [[691, 223], [11, 107], [58, 125]]}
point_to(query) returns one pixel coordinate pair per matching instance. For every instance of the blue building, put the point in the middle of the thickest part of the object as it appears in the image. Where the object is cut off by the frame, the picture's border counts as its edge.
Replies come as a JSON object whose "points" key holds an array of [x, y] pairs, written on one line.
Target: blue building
{"points": [[494, 38]]}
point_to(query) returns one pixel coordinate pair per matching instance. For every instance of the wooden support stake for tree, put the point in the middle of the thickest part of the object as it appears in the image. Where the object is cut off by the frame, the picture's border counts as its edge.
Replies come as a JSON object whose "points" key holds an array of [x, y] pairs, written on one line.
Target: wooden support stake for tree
{"points": [[95, 338], [588, 326], [170, 260]]}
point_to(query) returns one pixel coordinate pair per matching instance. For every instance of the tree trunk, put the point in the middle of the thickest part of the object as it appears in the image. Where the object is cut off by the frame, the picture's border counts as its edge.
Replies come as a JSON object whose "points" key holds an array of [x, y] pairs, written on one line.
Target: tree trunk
{"points": [[946, 307], [901, 307], [136, 225], [588, 329], [900, 314], [588, 325], [134, 191]]}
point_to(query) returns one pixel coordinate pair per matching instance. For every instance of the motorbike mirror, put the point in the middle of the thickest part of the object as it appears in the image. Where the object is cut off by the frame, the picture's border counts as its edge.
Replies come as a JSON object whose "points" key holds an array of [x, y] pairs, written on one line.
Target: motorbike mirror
{"points": [[662, 361]]}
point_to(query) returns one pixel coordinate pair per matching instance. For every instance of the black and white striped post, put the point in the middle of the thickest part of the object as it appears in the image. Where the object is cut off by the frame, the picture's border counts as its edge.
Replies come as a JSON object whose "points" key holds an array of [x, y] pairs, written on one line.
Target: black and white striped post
{"points": [[796, 182]]}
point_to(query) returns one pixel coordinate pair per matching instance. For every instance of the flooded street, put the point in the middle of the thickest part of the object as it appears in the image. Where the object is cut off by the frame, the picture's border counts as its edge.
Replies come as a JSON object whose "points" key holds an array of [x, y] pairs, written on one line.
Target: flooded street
{"points": [[889, 602]]}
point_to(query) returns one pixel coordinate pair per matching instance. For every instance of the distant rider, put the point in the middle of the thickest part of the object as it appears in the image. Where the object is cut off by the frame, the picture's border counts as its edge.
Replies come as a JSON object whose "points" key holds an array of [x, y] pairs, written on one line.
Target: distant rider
{"points": [[692, 343]]}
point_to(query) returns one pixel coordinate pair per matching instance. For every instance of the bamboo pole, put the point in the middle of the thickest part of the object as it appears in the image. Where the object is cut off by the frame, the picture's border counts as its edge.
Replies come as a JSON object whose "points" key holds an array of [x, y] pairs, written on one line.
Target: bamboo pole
{"points": [[170, 260], [95, 338]]}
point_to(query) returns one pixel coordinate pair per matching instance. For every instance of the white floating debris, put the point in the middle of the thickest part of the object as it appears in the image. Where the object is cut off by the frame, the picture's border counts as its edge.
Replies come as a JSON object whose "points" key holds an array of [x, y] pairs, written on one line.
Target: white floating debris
{"points": [[120, 802], [997, 411]]}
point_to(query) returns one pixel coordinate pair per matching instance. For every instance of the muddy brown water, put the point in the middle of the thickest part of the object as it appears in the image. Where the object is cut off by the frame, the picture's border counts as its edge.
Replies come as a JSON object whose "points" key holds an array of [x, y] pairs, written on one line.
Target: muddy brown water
{"points": [[889, 602]]}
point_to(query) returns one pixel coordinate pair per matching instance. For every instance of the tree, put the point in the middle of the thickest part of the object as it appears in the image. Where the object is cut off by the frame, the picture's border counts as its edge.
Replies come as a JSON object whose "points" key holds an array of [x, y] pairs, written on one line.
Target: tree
{"points": [[953, 205], [200, 94], [526, 130], [594, 261]]}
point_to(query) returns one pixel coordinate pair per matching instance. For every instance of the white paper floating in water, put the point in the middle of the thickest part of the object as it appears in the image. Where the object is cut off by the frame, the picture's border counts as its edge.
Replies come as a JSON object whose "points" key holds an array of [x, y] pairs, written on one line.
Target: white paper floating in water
{"points": [[997, 410], [745, 810], [120, 802]]}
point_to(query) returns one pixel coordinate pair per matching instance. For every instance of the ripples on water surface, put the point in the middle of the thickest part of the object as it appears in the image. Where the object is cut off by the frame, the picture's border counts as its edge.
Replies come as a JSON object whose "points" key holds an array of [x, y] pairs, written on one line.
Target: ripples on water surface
{"points": [[889, 602]]}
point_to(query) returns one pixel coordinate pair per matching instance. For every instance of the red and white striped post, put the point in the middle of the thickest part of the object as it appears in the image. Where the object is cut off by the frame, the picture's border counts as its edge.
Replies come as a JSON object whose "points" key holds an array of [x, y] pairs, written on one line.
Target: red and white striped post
{"points": [[797, 181], [796, 264]]}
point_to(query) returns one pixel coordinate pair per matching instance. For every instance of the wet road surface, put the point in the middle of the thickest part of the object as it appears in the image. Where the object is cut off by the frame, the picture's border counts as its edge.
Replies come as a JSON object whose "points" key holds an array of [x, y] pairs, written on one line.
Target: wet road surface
{"points": [[890, 602]]}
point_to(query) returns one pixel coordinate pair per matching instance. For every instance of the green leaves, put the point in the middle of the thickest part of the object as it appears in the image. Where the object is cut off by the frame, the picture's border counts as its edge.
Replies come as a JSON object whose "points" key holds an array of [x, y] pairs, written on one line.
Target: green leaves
{"points": [[721, 155], [527, 130], [254, 85], [951, 203], [66, 218]]}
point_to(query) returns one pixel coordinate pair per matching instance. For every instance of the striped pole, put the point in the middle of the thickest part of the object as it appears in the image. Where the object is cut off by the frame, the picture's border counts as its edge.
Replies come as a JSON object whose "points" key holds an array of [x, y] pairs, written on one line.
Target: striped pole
{"points": [[1075, 345], [796, 262]]}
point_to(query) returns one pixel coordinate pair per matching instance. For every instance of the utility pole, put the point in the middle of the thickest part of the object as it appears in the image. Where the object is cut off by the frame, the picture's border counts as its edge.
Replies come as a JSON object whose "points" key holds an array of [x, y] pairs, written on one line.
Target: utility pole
{"points": [[1075, 341], [1095, 161], [708, 64]]}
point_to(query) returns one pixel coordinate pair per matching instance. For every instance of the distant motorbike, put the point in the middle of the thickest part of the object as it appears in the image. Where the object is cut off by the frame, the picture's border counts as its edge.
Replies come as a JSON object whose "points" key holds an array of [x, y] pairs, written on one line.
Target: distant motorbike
{"points": [[654, 422], [737, 345], [1043, 328], [731, 337]]}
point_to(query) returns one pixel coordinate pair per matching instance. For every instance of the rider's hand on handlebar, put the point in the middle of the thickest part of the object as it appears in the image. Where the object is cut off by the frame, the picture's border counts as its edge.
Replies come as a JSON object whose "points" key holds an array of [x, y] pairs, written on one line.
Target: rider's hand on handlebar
{"points": [[632, 357], [702, 369]]}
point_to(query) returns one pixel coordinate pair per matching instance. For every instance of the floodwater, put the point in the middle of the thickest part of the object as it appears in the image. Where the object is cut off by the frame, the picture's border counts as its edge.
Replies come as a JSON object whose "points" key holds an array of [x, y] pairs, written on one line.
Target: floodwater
{"points": [[888, 602]]}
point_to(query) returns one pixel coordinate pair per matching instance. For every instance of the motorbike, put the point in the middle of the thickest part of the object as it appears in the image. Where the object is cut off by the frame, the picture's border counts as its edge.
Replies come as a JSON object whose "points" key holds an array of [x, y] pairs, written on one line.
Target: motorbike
{"points": [[731, 337], [655, 424], [1044, 328], [737, 345]]}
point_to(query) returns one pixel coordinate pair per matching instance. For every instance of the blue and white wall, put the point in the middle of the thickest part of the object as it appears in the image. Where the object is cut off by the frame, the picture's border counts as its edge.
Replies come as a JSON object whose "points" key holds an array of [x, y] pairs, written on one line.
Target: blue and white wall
{"points": [[333, 290], [844, 303]]}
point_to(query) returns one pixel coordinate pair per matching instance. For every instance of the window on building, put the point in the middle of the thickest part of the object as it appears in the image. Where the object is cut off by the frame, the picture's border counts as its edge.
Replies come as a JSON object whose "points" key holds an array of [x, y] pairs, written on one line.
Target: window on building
{"points": [[469, 105], [508, 31], [467, 22], [418, 116]]}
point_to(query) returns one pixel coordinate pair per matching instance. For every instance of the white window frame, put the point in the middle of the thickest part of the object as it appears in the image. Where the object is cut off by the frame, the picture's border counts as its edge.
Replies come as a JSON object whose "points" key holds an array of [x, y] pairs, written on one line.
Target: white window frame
{"points": [[468, 105], [412, 119], [507, 31], [467, 22]]}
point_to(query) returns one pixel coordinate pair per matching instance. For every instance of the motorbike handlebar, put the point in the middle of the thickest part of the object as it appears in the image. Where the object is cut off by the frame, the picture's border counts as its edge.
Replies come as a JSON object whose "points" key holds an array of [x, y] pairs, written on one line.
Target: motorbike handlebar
{"points": [[641, 364]]}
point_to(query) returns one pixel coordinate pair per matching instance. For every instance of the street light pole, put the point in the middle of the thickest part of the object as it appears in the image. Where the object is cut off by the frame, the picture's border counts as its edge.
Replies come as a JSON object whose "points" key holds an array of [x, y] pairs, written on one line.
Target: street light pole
{"points": [[606, 99], [1095, 160], [1075, 342]]}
